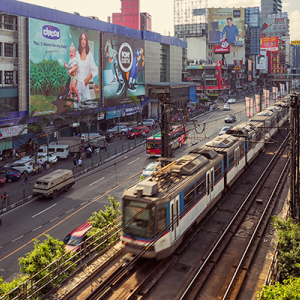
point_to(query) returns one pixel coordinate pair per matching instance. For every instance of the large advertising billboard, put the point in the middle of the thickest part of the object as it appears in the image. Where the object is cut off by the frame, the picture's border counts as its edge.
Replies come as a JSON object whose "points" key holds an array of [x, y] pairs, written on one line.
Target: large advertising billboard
{"points": [[297, 42], [262, 61], [63, 65], [226, 23], [269, 43], [273, 23], [123, 69]]}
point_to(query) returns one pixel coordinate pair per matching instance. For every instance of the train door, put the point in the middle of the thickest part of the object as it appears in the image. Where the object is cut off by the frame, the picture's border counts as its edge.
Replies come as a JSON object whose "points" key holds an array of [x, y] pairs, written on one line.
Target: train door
{"points": [[174, 218], [210, 184], [236, 158]]}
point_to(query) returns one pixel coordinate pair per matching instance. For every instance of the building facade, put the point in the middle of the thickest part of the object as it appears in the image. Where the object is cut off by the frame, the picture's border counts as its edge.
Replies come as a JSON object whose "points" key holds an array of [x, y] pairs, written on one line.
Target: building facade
{"points": [[271, 6]]}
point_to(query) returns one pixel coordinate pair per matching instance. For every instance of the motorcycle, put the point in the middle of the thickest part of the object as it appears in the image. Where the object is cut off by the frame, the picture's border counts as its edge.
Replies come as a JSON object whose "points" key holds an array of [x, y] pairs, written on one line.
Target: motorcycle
{"points": [[37, 170]]}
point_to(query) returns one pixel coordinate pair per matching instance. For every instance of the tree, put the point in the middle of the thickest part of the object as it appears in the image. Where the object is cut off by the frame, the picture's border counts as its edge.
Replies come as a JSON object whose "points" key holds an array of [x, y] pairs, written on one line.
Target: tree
{"points": [[38, 125], [288, 247], [288, 290], [136, 104], [6, 287]]}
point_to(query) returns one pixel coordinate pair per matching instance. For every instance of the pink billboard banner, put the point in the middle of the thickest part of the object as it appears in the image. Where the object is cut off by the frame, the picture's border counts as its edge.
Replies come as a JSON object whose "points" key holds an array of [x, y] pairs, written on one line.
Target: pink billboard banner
{"points": [[249, 107], [274, 93], [257, 102], [267, 97]]}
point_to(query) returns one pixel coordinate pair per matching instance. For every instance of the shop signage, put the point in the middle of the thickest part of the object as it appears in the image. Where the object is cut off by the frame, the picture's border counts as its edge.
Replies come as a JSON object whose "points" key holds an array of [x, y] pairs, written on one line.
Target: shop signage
{"points": [[223, 48], [12, 131], [100, 116], [111, 114], [269, 43]]}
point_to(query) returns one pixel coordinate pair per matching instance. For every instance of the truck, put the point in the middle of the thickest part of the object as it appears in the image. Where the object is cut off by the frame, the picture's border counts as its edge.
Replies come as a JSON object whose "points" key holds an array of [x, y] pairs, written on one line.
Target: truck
{"points": [[54, 183]]}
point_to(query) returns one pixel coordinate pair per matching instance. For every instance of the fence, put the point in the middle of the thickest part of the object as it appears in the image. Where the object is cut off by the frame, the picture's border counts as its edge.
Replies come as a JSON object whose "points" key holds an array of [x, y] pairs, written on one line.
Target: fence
{"points": [[56, 272]]}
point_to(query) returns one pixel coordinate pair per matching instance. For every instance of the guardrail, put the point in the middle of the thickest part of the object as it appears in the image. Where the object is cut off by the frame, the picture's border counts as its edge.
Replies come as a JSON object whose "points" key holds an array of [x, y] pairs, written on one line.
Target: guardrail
{"points": [[56, 272]]}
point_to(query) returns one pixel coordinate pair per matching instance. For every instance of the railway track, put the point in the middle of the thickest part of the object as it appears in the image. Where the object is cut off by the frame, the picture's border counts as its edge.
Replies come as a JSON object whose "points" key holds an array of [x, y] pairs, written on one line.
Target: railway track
{"points": [[225, 266]]}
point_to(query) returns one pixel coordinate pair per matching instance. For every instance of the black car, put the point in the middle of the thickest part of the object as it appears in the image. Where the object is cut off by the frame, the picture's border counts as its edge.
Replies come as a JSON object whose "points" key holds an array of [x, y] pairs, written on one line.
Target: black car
{"points": [[108, 135], [11, 174], [230, 119]]}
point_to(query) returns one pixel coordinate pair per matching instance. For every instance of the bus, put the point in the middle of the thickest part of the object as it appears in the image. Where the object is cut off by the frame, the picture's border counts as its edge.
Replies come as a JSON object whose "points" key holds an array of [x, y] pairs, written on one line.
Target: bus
{"points": [[177, 137]]}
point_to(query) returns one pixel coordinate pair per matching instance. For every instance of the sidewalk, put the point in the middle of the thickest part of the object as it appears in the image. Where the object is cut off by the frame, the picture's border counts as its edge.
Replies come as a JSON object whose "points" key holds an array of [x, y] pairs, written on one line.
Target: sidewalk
{"points": [[19, 193]]}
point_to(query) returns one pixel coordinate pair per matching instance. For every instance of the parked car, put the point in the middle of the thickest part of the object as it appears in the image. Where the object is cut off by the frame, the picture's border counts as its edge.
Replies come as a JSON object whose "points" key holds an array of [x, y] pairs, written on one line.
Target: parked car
{"points": [[226, 107], [40, 156], [225, 129], [10, 174], [121, 129], [77, 236], [2, 179], [137, 132], [21, 166], [230, 119], [230, 101], [150, 168], [108, 135], [148, 123]]}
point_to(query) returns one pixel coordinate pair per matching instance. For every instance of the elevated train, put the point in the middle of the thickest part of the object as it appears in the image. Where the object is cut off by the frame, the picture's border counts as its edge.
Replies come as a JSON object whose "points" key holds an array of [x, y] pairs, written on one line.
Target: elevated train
{"points": [[159, 210]]}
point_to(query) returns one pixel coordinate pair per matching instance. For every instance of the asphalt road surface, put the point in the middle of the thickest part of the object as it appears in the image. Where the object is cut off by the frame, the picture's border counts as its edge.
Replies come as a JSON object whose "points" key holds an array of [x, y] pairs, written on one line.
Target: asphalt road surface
{"points": [[60, 216]]}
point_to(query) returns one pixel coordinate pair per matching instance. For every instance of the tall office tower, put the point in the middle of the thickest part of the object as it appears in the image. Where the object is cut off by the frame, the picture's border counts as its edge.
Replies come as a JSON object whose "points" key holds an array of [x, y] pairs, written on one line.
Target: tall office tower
{"points": [[271, 6], [145, 21]]}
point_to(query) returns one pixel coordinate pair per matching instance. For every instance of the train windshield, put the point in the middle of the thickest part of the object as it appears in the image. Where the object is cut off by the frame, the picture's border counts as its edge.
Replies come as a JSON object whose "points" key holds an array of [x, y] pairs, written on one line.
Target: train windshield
{"points": [[138, 220]]}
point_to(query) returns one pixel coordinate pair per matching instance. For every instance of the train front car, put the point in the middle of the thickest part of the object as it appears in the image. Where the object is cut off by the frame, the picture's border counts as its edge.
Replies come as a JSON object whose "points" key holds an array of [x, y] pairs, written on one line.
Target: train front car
{"points": [[159, 210]]}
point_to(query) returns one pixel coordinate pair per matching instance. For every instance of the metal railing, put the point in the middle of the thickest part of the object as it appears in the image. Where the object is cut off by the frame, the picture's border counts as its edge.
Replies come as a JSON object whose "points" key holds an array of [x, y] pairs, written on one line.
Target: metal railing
{"points": [[56, 272]]}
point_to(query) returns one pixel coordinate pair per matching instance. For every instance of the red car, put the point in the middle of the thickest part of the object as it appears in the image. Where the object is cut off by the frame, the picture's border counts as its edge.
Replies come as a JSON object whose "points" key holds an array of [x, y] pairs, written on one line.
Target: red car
{"points": [[77, 236], [137, 131], [2, 179]]}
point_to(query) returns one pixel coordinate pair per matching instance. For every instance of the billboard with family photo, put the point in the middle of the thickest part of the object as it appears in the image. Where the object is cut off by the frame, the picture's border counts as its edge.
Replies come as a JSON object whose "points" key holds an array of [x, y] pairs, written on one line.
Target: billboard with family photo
{"points": [[123, 69], [63, 65], [226, 23]]}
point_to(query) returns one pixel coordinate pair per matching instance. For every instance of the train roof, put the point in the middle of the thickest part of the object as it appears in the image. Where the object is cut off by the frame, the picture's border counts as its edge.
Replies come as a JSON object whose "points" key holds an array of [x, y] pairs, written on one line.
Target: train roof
{"points": [[263, 116], [243, 129], [174, 177], [223, 143]]}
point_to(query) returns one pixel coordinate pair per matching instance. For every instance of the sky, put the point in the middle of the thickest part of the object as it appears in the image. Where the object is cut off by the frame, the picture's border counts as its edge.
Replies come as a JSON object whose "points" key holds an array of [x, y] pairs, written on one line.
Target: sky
{"points": [[162, 11]]}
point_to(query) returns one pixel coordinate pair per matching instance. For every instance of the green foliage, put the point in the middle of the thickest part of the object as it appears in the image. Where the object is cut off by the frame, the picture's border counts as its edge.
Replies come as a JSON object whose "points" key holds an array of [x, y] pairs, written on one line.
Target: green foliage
{"points": [[6, 287], [47, 77], [289, 290], [100, 220], [288, 247], [41, 256], [213, 96]]}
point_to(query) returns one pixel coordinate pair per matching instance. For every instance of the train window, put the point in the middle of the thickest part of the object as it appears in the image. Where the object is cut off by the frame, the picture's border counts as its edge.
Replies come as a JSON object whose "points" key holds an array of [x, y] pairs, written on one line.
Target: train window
{"points": [[249, 143], [200, 186], [258, 136], [231, 160], [242, 150], [189, 195], [218, 171], [161, 223]]}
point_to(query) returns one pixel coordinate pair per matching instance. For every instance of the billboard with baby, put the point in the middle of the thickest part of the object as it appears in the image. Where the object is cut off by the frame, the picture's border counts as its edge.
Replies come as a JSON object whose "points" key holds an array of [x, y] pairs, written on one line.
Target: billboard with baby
{"points": [[123, 69], [63, 65]]}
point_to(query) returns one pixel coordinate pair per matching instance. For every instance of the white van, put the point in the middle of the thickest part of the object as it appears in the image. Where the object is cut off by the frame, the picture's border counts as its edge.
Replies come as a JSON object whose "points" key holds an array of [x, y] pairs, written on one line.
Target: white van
{"points": [[60, 151]]}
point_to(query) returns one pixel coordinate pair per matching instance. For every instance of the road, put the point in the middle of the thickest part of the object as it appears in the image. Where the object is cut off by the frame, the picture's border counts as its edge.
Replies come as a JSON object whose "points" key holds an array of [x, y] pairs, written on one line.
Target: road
{"points": [[61, 215]]}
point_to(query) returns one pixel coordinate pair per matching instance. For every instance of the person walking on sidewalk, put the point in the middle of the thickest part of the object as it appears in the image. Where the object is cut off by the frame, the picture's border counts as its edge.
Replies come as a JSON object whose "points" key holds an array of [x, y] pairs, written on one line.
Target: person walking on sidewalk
{"points": [[4, 200], [80, 163], [106, 145], [25, 175]]}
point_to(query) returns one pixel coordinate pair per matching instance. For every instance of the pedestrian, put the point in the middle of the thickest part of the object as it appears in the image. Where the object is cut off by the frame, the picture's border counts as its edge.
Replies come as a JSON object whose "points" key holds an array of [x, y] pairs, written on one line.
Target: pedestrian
{"points": [[89, 150], [13, 152], [106, 145], [25, 175], [51, 164], [4, 200], [75, 160], [79, 163]]}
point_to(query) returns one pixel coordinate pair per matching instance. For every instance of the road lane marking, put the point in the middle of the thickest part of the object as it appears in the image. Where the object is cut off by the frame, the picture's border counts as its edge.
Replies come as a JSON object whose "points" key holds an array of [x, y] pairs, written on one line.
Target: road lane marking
{"points": [[133, 161], [54, 219], [37, 228], [96, 181], [17, 238], [74, 213], [70, 210], [44, 210]]}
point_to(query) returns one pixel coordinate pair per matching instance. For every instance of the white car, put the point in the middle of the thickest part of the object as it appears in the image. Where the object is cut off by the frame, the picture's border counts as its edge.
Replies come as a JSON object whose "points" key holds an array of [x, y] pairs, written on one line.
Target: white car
{"points": [[121, 129], [40, 156], [150, 168], [21, 166], [225, 129], [230, 101]]}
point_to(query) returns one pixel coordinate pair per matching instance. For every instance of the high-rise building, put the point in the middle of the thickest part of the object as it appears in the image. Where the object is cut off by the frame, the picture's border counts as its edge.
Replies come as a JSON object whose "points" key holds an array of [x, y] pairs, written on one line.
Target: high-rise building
{"points": [[131, 17], [271, 6]]}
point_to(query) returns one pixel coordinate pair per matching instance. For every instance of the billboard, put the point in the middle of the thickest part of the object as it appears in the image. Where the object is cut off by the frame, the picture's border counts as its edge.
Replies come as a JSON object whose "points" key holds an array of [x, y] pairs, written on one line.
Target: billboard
{"points": [[223, 48], [63, 64], [262, 61], [269, 43], [249, 106], [257, 103], [273, 23], [226, 23], [238, 63], [295, 42], [123, 69]]}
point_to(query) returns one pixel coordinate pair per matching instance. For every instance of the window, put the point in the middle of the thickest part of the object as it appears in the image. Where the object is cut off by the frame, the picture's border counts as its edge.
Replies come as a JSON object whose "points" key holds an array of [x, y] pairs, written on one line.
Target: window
{"points": [[189, 195], [8, 22], [218, 171], [0, 49], [161, 220], [242, 150], [17, 54], [258, 136], [8, 50], [8, 77], [200, 187], [17, 77], [249, 143], [0, 77], [13, 102], [231, 160]]}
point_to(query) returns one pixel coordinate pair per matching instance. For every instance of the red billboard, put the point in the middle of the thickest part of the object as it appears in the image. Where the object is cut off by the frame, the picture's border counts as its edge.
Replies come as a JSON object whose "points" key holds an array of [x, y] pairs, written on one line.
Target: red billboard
{"points": [[223, 48], [269, 43]]}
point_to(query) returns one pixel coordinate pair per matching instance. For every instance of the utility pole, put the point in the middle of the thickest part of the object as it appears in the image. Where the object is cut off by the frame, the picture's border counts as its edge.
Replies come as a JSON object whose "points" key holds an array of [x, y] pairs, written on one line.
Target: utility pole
{"points": [[166, 151]]}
